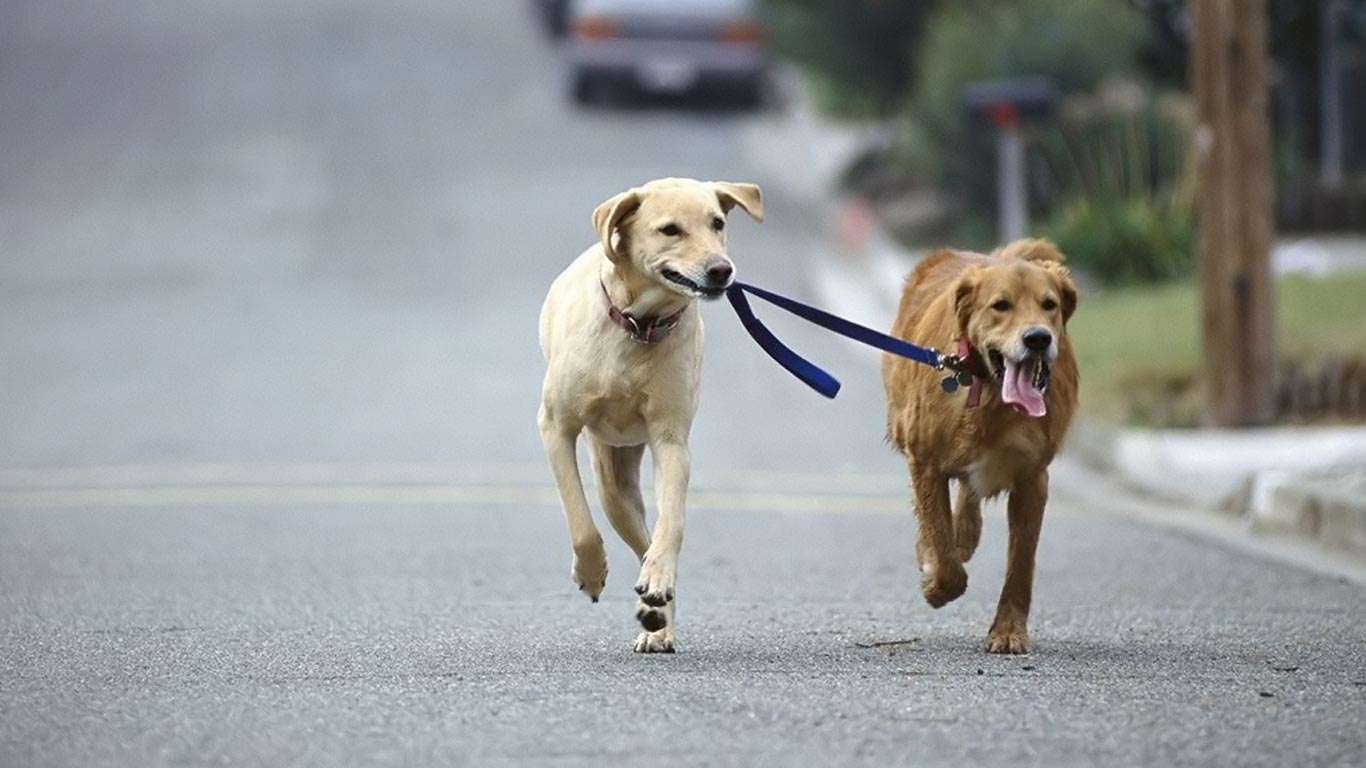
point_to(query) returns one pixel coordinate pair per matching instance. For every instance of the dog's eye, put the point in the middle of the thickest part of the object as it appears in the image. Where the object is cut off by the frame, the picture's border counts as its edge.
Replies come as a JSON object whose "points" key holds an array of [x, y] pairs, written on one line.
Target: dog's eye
{"points": [[670, 230], [718, 223], [1001, 306], [1049, 305]]}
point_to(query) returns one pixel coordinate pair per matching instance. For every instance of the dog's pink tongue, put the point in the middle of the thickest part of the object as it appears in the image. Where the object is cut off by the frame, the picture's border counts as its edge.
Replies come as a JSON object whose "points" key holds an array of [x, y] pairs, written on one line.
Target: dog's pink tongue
{"points": [[1017, 388]]}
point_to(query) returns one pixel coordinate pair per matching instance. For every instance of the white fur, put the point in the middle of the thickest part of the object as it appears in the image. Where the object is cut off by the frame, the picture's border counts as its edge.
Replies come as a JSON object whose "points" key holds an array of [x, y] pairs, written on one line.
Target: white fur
{"points": [[627, 395]]}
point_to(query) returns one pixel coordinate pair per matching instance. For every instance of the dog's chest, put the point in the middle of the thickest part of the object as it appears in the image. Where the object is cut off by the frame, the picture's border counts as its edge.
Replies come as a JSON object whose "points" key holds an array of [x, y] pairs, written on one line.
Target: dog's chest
{"points": [[994, 469], [615, 411], [617, 389], [618, 421], [989, 475]]}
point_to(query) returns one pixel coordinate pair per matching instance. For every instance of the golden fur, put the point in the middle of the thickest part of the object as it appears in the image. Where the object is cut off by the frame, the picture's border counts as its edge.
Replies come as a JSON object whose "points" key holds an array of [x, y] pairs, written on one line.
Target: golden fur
{"points": [[992, 301]]}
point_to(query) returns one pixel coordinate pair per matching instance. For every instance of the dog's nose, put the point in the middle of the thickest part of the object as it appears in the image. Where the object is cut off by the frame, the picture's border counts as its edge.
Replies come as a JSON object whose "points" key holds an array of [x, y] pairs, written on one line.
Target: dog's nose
{"points": [[1038, 339], [719, 270]]}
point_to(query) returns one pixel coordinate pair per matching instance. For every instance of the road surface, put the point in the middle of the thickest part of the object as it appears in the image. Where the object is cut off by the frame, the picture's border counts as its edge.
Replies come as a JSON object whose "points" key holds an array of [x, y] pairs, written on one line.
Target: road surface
{"points": [[271, 491]]}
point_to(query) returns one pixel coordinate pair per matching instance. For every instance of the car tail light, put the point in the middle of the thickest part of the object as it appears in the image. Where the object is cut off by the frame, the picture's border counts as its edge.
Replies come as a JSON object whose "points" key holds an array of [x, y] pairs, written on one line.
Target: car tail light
{"points": [[741, 32], [596, 28]]}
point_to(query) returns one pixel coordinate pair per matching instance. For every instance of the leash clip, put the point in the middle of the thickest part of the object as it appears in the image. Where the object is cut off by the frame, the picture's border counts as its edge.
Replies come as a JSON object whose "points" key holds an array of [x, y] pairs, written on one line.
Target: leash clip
{"points": [[951, 362], [960, 375], [635, 329]]}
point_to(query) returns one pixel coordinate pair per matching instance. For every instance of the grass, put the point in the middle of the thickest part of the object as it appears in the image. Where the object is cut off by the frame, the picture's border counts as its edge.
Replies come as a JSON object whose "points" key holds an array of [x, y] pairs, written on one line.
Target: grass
{"points": [[1138, 347]]}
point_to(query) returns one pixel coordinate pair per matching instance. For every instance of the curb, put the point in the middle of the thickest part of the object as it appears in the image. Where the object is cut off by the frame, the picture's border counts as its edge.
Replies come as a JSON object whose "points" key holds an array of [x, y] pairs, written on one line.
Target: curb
{"points": [[1328, 506], [1306, 481]]}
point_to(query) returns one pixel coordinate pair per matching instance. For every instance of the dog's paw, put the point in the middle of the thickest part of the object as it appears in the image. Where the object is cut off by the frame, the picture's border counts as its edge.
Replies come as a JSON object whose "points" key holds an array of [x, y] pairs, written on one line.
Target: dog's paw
{"points": [[944, 584], [655, 642], [652, 619], [656, 583], [1009, 633], [1008, 641], [589, 570]]}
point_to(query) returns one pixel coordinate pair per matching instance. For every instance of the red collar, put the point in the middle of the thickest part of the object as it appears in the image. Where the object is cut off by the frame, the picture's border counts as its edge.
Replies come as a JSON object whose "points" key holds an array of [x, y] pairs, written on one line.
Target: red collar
{"points": [[972, 359], [973, 363], [646, 330]]}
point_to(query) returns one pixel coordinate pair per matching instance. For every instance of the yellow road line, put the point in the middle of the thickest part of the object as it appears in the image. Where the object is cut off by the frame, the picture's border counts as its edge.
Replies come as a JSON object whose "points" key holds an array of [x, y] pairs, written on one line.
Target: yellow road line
{"points": [[433, 495], [15, 478]]}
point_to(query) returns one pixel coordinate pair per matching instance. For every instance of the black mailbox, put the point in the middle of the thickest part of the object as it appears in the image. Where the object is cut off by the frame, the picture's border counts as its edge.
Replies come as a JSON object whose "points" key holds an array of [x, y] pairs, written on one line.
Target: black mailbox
{"points": [[1007, 102]]}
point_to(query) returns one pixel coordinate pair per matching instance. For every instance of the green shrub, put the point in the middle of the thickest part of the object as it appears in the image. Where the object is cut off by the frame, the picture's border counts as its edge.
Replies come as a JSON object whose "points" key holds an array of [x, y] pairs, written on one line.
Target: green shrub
{"points": [[1125, 240], [1116, 167]]}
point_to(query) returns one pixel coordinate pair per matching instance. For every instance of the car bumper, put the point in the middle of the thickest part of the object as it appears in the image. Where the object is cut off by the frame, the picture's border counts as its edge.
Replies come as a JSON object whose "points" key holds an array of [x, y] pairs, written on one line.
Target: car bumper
{"points": [[660, 65]]}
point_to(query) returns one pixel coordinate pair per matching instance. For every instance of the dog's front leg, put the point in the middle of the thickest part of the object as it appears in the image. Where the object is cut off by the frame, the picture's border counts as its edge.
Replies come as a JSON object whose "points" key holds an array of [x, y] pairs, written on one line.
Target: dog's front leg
{"points": [[1009, 632], [659, 567], [589, 569], [942, 578]]}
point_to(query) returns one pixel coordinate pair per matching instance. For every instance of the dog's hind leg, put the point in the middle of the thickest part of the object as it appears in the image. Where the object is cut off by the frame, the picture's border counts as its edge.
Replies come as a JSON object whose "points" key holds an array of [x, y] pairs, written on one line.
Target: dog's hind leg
{"points": [[589, 569], [618, 474], [967, 522]]}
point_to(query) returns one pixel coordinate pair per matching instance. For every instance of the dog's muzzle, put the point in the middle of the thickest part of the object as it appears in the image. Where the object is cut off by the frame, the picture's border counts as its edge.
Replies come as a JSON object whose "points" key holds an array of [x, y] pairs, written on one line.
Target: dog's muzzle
{"points": [[710, 290]]}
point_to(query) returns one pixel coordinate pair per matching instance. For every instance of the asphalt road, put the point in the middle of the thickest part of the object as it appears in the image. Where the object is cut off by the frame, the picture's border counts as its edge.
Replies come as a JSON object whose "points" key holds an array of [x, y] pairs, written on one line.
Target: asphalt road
{"points": [[271, 492]]}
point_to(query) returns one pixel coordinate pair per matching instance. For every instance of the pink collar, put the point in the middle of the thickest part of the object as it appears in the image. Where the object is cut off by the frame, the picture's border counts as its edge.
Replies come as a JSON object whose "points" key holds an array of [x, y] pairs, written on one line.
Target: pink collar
{"points": [[648, 330]]}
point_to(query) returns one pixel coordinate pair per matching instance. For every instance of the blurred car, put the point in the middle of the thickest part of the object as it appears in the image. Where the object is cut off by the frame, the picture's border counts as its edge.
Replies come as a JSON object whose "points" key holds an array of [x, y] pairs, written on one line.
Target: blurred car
{"points": [[667, 46], [554, 14]]}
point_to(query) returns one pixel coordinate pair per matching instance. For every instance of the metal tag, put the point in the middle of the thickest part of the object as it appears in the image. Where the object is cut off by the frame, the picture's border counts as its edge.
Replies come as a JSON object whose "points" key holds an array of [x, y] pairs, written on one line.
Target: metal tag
{"points": [[965, 378], [949, 384]]}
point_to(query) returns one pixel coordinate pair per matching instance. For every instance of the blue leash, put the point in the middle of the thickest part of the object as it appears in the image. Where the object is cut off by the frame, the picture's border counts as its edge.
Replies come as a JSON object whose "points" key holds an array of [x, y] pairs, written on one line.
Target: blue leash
{"points": [[804, 369]]}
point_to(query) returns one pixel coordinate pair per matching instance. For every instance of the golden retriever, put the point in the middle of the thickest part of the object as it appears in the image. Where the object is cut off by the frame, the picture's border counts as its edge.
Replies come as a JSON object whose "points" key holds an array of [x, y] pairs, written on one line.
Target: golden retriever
{"points": [[1011, 308], [622, 340]]}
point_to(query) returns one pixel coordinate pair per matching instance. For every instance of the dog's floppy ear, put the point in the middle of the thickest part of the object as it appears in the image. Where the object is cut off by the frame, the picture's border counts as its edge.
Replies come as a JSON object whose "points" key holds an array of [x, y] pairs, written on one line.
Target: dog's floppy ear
{"points": [[607, 216], [747, 196], [965, 297], [1066, 288]]}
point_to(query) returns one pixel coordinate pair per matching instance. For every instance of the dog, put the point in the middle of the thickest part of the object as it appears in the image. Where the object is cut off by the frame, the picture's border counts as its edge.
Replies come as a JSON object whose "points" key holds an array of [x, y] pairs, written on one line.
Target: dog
{"points": [[622, 340], [1008, 313]]}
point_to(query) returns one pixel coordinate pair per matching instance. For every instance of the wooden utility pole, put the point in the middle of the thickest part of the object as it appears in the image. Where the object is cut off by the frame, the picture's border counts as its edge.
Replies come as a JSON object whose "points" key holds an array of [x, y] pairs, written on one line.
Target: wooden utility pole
{"points": [[1234, 209]]}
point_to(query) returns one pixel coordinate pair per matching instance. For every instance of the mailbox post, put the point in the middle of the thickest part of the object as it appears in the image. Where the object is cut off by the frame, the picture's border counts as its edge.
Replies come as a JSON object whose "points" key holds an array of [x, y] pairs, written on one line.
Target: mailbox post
{"points": [[1005, 104]]}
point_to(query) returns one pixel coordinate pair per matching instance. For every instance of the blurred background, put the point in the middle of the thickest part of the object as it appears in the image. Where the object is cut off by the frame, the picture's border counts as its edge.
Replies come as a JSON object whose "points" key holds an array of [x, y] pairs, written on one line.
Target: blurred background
{"points": [[1109, 169]]}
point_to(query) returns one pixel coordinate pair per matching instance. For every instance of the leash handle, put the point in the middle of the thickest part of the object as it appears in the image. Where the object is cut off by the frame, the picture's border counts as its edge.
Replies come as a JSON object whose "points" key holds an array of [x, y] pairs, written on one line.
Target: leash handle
{"points": [[804, 369]]}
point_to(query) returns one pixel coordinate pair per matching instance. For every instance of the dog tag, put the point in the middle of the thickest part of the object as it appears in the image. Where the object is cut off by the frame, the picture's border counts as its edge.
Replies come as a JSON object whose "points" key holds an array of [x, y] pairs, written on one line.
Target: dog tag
{"points": [[965, 378], [949, 384]]}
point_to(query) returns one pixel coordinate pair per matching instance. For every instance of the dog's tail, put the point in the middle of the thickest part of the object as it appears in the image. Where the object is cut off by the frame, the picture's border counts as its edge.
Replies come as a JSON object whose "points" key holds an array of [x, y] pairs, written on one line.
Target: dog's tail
{"points": [[1031, 249]]}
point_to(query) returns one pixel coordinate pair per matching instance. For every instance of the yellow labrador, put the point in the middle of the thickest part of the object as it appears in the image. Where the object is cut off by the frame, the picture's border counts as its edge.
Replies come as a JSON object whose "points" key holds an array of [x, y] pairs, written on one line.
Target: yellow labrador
{"points": [[622, 340]]}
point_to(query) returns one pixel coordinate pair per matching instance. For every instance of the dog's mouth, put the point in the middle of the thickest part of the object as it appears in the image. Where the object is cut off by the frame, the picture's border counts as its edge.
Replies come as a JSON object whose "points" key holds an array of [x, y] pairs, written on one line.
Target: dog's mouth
{"points": [[692, 286], [1023, 382]]}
